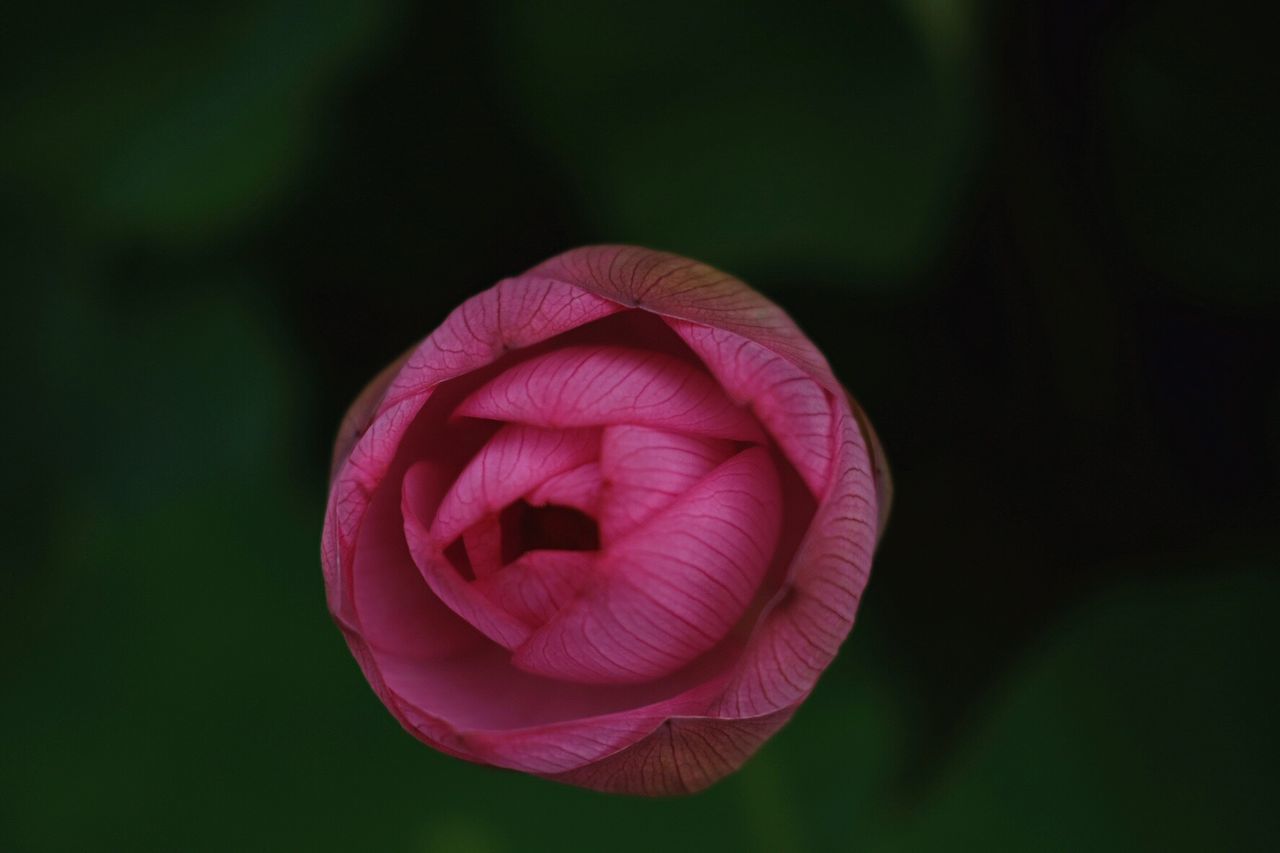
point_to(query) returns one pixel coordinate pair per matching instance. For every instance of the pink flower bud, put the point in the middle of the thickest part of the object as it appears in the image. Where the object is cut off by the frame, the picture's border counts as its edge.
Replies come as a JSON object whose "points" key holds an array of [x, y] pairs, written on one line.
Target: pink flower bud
{"points": [[606, 525]]}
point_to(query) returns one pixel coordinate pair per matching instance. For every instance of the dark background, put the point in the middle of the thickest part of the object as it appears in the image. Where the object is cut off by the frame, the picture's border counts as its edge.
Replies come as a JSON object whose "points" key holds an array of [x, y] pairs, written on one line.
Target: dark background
{"points": [[1038, 241]]}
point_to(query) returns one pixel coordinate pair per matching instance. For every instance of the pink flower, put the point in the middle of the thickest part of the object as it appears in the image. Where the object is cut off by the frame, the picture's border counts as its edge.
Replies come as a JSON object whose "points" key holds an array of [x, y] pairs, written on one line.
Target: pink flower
{"points": [[607, 524]]}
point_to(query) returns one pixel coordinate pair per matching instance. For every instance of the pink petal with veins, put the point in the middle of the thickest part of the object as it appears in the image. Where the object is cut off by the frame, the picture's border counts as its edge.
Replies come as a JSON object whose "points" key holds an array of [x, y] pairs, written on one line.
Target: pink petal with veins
{"points": [[646, 469], [483, 541], [596, 386], [538, 583], [514, 313], [558, 747], [667, 734], [397, 612], [578, 488], [802, 634], [672, 588], [794, 408], [683, 756], [672, 286], [462, 597], [516, 460]]}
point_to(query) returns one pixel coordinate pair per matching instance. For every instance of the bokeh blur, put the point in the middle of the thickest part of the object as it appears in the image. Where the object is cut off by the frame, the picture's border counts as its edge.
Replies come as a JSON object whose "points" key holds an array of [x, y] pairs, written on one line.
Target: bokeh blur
{"points": [[1038, 241]]}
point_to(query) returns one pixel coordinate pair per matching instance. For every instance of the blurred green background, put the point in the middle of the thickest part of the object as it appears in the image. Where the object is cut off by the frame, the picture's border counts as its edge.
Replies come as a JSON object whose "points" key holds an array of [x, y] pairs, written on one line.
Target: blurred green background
{"points": [[1039, 242]]}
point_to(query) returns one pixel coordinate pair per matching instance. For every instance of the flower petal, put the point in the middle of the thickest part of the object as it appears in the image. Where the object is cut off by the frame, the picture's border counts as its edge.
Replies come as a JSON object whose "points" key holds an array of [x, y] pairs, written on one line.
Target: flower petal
{"points": [[673, 286], [671, 589], [879, 465], [516, 460], [397, 613], [514, 313], [596, 386], [538, 584], [572, 743], [683, 756], [800, 636], [462, 597], [794, 408], [362, 410], [578, 488], [646, 469], [483, 541]]}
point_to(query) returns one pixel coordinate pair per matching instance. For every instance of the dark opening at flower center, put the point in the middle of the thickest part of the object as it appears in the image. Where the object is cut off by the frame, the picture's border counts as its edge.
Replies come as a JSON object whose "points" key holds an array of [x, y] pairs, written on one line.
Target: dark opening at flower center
{"points": [[546, 528]]}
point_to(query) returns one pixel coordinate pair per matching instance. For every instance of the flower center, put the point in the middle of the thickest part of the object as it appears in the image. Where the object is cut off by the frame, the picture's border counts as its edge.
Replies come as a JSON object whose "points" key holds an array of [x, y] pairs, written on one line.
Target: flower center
{"points": [[546, 528]]}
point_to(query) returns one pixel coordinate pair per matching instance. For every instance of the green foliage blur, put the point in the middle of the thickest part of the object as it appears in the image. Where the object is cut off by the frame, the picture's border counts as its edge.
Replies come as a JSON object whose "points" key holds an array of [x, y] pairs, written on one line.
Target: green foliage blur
{"points": [[1037, 240]]}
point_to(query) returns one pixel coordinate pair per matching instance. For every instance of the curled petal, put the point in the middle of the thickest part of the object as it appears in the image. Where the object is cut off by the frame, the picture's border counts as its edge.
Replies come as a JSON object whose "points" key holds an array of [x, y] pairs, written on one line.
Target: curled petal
{"points": [[596, 386], [879, 466], [483, 541], [801, 635], [397, 612], [564, 746], [361, 412], [646, 469], [673, 286], [578, 488], [659, 664], [516, 460], [683, 756], [794, 408], [462, 597], [539, 583], [514, 313], [671, 589]]}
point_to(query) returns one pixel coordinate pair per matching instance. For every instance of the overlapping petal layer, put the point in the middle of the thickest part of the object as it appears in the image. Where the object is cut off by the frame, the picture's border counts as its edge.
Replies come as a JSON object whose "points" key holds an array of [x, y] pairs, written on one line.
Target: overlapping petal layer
{"points": [[645, 469], [673, 587], [516, 460], [557, 539], [598, 386]]}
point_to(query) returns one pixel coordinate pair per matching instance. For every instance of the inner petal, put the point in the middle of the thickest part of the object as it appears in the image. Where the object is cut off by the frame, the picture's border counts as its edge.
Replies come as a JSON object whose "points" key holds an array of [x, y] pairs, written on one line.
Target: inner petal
{"points": [[397, 613], [539, 583], [646, 469], [462, 596], [516, 460], [672, 588], [483, 541], [596, 386], [579, 488]]}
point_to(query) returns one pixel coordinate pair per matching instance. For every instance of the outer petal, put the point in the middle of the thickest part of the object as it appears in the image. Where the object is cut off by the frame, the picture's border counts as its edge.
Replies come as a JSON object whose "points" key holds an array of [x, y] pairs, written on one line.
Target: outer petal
{"points": [[814, 613], [514, 313], [362, 410], [397, 612], [673, 286], [683, 756], [565, 746], [879, 466]]}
